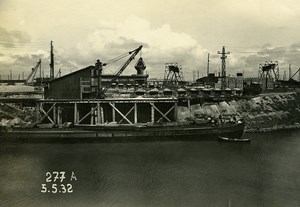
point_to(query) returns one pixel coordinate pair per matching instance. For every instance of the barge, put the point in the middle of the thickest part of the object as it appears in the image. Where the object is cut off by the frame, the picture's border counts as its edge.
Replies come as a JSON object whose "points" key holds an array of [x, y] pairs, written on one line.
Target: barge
{"points": [[176, 131], [118, 120]]}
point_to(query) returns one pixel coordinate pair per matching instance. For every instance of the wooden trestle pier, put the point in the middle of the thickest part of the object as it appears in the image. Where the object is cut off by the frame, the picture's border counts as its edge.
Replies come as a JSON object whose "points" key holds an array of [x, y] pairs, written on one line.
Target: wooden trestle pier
{"points": [[104, 111]]}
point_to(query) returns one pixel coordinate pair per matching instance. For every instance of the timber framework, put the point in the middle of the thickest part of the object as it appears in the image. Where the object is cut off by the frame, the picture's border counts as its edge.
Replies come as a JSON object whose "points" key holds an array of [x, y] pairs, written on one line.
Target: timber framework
{"points": [[106, 111]]}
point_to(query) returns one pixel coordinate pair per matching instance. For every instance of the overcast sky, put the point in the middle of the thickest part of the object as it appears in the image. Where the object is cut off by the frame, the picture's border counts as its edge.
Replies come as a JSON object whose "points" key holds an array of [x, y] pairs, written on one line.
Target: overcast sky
{"points": [[183, 32]]}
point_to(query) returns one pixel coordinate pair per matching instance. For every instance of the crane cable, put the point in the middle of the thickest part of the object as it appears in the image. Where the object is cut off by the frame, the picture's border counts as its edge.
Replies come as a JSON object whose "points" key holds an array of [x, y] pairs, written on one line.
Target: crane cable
{"points": [[120, 57], [117, 58]]}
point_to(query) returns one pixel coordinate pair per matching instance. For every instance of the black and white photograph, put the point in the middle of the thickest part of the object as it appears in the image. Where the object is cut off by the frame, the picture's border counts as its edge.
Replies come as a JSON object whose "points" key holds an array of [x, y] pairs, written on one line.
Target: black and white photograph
{"points": [[149, 103]]}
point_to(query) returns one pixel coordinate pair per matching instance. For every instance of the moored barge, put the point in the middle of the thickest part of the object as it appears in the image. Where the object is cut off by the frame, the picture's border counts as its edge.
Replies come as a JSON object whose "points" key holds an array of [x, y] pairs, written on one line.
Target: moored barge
{"points": [[177, 131]]}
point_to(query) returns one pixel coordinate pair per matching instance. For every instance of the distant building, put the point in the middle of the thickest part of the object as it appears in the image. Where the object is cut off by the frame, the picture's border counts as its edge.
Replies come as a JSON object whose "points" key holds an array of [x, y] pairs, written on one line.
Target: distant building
{"points": [[211, 79], [215, 81], [266, 83]]}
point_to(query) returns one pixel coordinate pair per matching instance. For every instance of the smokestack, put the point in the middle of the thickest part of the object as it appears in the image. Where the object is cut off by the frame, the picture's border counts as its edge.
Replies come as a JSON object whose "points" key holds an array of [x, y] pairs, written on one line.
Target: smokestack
{"points": [[51, 61]]}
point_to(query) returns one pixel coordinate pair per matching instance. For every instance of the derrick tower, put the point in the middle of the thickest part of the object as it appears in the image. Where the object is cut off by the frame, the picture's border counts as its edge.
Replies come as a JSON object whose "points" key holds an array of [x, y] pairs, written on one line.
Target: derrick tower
{"points": [[223, 58], [268, 70], [173, 74]]}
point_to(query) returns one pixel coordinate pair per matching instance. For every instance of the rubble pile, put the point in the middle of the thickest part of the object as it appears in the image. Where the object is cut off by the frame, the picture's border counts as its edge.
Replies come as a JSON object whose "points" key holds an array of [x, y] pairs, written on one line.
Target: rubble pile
{"points": [[262, 113], [13, 115]]}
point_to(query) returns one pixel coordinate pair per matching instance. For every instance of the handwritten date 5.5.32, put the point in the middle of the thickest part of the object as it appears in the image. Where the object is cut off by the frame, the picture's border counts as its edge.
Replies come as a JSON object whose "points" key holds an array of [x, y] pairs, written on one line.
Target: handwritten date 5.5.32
{"points": [[58, 182]]}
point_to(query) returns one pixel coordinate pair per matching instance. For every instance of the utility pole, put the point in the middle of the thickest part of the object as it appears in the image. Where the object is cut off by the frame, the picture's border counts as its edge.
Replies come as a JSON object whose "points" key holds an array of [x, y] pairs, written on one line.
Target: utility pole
{"points": [[51, 61], [207, 68], [41, 80], [223, 58], [194, 76], [290, 71]]}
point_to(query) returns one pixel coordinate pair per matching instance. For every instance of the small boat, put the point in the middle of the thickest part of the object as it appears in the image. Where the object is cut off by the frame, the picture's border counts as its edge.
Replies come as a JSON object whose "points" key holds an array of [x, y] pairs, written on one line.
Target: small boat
{"points": [[226, 139]]}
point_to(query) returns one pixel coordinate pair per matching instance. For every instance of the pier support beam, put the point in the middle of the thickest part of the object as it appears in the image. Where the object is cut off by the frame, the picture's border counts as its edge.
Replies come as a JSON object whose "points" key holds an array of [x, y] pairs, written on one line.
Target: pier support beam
{"points": [[99, 117], [92, 116], [102, 115], [38, 113], [125, 116], [113, 112], [135, 113], [75, 113], [176, 111], [54, 115], [114, 108], [152, 113], [85, 116], [46, 114], [164, 115], [59, 116]]}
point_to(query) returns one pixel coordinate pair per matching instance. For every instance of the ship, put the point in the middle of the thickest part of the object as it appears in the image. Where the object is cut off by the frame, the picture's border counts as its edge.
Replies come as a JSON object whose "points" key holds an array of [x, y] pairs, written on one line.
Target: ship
{"points": [[149, 132]]}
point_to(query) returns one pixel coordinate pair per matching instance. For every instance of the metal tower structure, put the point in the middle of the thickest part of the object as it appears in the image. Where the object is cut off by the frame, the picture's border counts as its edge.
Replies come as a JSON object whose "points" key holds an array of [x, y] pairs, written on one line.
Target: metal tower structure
{"points": [[269, 70], [223, 58], [173, 74]]}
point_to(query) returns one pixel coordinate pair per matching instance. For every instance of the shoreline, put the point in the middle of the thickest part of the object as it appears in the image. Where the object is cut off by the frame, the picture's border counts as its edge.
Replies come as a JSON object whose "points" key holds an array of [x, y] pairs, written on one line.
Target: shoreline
{"points": [[274, 128]]}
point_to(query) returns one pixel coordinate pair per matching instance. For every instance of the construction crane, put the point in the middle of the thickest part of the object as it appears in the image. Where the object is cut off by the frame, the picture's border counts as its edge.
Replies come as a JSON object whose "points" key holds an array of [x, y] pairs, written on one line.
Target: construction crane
{"points": [[133, 53], [30, 79]]}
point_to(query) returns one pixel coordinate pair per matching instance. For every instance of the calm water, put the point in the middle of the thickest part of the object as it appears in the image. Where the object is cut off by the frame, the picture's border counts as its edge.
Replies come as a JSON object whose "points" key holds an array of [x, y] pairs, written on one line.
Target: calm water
{"points": [[265, 172]]}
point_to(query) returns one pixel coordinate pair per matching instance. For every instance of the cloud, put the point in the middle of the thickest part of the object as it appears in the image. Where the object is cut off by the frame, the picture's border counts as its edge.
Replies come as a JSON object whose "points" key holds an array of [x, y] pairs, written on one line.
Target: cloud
{"points": [[285, 55], [161, 44], [13, 38]]}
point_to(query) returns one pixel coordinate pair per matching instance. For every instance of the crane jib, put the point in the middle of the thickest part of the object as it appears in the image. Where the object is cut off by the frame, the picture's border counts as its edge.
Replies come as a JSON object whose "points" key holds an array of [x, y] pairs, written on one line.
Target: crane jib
{"points": [[120, 71]]}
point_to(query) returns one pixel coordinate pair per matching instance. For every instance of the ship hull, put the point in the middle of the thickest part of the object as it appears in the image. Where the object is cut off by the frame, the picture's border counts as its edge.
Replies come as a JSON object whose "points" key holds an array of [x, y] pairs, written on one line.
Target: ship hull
{"points": [[191, 132]]}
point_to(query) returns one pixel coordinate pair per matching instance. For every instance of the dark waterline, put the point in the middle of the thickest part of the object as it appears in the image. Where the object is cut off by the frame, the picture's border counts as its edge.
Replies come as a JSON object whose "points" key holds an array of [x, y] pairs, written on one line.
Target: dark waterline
{"points": [[265, 172]]}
